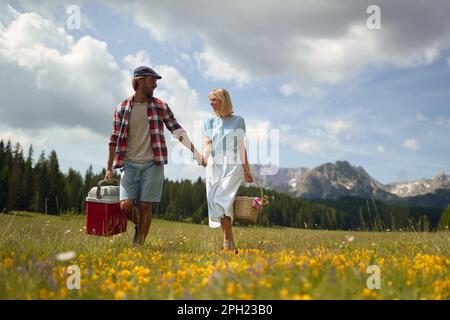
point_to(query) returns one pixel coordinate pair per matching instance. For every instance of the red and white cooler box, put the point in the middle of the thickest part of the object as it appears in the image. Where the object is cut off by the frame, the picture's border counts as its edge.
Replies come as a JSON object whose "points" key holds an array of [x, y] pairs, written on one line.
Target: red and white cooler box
{"points": [[103, 214]]}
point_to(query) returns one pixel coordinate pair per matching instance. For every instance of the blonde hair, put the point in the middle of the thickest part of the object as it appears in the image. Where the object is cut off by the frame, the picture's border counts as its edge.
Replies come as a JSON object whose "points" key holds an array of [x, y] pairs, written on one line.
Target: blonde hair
{"points": [[226, 106]]}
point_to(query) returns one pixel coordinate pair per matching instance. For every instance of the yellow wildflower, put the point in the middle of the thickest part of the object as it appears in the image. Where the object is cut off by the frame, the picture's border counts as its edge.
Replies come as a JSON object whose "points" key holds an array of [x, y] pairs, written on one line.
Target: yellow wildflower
{"points": [[284, 293], [119, 295], [230, 288], [8, 263]]}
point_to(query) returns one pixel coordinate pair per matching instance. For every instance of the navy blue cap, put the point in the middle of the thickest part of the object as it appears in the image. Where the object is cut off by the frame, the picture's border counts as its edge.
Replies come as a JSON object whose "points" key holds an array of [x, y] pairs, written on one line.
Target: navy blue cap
{"points": [[143, 71]]}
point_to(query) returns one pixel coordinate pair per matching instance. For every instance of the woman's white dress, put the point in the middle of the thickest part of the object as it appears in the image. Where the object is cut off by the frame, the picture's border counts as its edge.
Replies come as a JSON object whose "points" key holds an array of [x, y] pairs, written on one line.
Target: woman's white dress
{"points": [[224, 173]]}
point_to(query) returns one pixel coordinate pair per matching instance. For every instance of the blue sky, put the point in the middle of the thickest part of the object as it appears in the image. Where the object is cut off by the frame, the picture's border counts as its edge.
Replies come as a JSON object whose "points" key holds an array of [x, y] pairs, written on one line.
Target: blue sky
{"points": [[312, 71]]}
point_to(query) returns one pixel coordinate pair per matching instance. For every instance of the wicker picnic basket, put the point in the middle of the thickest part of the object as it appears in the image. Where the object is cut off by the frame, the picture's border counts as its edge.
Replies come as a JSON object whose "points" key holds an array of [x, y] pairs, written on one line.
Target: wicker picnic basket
{"points": [[243, 210]]}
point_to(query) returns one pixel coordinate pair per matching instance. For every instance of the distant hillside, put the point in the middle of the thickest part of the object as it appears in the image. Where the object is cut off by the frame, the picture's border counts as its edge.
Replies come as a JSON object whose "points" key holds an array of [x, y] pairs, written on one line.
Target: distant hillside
{"points": [[440, 199], [419, 187], [341, 179]]}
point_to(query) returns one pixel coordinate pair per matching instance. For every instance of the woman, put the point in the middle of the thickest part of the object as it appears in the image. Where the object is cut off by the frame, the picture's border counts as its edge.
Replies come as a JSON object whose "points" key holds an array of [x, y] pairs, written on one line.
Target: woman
{"points": [[224, 149]]}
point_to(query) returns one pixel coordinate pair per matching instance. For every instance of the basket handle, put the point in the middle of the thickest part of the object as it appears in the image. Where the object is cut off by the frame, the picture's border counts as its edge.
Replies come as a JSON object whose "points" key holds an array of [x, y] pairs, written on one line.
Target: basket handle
{"points": [[99, 185], [260, 188]]}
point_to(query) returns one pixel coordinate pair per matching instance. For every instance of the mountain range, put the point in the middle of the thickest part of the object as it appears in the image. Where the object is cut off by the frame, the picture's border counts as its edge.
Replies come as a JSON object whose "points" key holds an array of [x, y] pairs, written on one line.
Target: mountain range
{"points": [[341, 179]]}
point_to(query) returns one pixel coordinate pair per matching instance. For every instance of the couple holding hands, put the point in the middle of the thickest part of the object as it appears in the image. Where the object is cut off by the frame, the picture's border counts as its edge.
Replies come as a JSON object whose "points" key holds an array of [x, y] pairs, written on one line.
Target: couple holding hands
{"points": [[138, 148]]}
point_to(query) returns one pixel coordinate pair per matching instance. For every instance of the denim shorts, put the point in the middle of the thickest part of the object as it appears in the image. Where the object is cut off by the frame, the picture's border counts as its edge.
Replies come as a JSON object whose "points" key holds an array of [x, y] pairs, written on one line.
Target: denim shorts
{"points": [[141, 181]]}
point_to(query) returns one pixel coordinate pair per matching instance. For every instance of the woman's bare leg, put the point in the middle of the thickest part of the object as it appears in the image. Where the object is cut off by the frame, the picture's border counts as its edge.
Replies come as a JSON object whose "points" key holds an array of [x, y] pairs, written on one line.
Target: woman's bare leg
{"points": [[226, 227]]}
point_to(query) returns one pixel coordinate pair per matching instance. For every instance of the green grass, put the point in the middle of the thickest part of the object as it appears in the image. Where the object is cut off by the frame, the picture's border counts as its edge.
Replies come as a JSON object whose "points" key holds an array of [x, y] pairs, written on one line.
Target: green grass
{"points": [[183, 261]]}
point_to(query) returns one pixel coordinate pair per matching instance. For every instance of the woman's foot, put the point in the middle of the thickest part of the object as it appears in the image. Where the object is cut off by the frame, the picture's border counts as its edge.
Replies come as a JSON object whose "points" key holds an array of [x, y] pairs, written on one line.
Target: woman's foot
{"points": [[229, 246], [137, 245]]}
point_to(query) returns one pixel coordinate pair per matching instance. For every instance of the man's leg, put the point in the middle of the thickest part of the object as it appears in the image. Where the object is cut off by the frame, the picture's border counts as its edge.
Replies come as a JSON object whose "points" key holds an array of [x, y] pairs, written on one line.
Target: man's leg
{"points": [[128, 191], [151, 185], [145, 221], [127, 208], [130, 210]]}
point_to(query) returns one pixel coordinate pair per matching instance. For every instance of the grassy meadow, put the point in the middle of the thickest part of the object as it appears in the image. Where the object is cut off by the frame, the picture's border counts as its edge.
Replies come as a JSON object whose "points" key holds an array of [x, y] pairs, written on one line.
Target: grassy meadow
{"points": [[183, 261]]}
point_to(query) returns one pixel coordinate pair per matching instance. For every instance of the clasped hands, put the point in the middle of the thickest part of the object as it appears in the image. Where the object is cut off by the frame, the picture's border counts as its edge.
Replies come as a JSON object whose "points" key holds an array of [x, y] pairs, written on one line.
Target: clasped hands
{"points": [[201, 161]]}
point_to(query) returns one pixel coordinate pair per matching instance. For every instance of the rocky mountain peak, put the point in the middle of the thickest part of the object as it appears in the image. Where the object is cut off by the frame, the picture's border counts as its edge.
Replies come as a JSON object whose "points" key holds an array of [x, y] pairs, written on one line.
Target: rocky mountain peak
{"points": [[442, 177], [334, 180]]}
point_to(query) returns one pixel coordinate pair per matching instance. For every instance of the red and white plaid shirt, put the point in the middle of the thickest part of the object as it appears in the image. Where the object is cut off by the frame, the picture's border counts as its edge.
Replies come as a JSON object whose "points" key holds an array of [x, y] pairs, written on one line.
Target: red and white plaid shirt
{"points": [[159, 113]]}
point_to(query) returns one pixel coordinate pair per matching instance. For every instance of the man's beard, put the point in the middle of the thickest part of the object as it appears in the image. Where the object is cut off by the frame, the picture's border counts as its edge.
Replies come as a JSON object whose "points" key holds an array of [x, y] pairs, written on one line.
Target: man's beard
{"points": [[149, 93]]}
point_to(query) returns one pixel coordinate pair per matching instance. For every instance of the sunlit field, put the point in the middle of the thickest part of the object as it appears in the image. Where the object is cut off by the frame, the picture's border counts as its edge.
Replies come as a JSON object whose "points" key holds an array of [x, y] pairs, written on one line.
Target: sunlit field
{"points": [[184, 261]]}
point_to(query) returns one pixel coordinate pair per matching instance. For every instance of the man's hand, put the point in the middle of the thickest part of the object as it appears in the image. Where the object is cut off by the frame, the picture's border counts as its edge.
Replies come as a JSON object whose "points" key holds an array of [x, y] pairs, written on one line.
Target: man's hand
{"points": [[109, 175]]}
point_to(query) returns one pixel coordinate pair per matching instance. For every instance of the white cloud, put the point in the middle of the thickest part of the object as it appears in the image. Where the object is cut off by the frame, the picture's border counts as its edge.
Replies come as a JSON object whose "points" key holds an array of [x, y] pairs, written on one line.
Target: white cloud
{"points": [[288, 89], [185, 57], [213, 67], [442, 121], [185, 61], [448, 61], [257, 129], [411, 144], [140, 58], [430, 55], [22, 137], [303, 89], [302, 143], [41, 138], [307, 147], [420, 117], [53, 80], [336, 58], [337, 128], [380, 149], [307, 41], [319, 140]]}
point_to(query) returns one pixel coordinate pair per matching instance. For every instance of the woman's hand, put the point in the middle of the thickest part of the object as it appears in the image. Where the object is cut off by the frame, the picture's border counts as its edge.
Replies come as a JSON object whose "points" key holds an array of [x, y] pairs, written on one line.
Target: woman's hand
{"points": [[248, 175], [203, 162]]}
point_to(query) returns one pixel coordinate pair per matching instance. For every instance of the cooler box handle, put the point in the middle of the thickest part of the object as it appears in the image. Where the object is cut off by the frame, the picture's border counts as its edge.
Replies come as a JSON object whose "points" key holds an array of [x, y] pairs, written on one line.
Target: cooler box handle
{"points": [[99, 185]]}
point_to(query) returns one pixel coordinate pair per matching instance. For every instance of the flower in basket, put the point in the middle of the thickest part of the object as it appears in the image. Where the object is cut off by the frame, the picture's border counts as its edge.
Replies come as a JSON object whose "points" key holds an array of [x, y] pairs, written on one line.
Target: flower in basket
{"points": [[257, 203], [266, 200]]}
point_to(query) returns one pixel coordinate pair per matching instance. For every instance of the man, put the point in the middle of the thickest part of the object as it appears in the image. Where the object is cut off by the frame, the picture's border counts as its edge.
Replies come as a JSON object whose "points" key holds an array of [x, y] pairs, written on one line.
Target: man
{"points": [[138, 148]]}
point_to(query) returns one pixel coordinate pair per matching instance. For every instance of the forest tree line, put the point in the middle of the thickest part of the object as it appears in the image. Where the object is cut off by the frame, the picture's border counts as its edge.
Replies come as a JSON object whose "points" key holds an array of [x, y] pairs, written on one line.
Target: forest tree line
{"points": [[42, 187]]}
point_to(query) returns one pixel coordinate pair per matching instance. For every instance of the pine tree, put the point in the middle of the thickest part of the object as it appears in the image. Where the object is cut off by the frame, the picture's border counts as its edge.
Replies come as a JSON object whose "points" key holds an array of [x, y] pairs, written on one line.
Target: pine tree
{"points": [[444, 221], [15, 188], [73, 189], [56, 181], [28, 184], [361, 221], [5, 167], [89, 183], [41, 185]]}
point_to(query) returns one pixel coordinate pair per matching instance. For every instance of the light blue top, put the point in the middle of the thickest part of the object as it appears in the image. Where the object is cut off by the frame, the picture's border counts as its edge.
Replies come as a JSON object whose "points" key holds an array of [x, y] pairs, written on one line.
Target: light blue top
{"points": [[224, 133]]}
